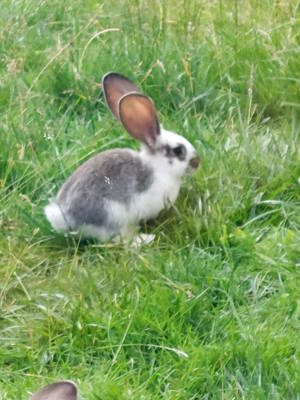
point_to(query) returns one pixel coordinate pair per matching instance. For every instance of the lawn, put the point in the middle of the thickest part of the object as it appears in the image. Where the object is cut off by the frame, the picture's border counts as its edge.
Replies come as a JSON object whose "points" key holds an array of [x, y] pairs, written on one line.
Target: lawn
{"points": [[209, 310]]}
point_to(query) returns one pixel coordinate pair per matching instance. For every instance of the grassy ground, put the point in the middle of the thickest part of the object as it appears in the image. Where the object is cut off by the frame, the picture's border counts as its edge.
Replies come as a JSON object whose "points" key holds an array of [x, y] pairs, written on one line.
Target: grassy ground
{"points": [[211, 309]]}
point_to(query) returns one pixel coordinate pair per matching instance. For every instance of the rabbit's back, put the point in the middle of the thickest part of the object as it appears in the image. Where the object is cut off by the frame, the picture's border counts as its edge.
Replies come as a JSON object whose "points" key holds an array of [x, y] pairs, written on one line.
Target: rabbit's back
{"points": [[113, 176]]}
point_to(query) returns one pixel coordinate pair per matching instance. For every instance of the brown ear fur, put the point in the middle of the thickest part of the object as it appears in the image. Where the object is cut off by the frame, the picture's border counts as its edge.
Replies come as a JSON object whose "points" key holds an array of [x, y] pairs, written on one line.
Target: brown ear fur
{"points": [[137, 114], [115, 86], [64, 390]]}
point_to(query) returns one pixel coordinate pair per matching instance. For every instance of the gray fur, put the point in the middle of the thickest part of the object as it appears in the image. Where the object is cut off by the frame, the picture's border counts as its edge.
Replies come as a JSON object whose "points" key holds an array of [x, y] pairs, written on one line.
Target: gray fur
{"points": [[111, 175]]}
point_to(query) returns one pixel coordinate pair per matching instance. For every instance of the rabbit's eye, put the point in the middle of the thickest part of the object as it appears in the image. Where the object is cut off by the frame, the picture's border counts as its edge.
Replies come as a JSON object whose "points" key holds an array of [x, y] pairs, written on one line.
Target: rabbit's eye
{"points": [[180, 152]]}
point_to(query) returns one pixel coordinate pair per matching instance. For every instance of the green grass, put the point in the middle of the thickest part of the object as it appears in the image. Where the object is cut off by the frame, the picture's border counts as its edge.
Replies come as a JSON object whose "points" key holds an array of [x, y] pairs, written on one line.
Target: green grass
{"points": [[211, 309]]}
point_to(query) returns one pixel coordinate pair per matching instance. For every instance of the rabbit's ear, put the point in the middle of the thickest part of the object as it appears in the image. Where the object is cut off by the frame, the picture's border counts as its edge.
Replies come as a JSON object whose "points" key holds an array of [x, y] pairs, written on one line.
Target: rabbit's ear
{"points": [[114, 87], [64, 390], [137, 114]]}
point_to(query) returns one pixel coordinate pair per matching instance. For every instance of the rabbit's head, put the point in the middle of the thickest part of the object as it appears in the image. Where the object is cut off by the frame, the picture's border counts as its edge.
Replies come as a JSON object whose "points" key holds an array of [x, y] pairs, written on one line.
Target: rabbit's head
{"points": [[138, 115]]}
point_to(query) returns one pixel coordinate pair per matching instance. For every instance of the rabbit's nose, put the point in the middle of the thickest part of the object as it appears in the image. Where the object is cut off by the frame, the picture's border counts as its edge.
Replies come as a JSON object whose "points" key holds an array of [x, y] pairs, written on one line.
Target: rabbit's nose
{"points": [[194, 162]]}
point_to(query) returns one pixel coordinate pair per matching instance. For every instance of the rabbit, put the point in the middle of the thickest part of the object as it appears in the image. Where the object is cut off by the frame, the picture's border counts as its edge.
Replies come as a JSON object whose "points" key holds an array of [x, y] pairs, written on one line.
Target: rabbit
{"points": [[109, 194], [62, 390]]}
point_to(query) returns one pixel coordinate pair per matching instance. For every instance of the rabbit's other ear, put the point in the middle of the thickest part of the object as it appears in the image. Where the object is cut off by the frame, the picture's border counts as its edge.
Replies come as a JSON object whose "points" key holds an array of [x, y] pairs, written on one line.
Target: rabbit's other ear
{"points": [[64, 390], [137, 114], [115, 86]]}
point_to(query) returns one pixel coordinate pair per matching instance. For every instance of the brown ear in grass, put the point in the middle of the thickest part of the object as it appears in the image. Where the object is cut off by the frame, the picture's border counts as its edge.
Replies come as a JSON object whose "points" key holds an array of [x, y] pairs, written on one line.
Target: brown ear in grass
{"points": [[64, 390]]}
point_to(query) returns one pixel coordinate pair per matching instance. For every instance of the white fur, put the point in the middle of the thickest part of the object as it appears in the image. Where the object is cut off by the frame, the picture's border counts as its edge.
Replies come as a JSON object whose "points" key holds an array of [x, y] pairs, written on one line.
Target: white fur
{"points": [[98, 232], [55, 217], [167, 177], [178, 168]]}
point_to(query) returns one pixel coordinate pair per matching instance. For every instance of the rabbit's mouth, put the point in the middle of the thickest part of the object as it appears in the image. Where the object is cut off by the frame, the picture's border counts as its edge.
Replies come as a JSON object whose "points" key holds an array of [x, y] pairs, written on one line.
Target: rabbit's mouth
{"points": [[194, 162]]}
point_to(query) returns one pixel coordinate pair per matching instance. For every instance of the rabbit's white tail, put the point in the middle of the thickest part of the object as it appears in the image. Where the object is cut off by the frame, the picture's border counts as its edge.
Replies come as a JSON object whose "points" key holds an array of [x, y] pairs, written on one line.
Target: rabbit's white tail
{"points": [[56, 217]]}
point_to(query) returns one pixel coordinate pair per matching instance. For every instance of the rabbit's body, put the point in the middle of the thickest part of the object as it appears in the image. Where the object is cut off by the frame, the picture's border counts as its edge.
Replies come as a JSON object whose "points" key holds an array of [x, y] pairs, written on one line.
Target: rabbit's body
{"points": [[111, 192]]}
